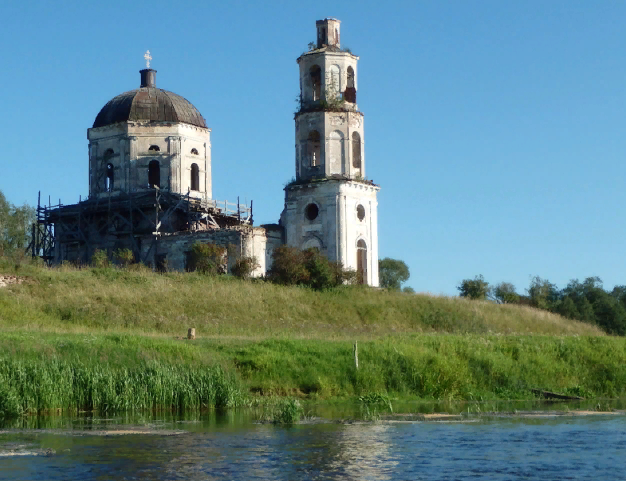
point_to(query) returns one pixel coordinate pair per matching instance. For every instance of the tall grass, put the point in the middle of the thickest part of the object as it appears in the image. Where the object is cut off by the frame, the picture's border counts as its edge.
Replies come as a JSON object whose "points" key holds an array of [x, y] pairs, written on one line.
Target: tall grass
{"points": [[34, 386], [111, 373]]}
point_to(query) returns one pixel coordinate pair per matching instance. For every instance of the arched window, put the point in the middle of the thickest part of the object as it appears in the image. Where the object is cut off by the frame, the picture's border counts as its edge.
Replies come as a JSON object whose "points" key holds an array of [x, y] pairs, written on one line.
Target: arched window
{"points": [[154, 148], [316, 82], [361, 262], [313, 148], [154, 174], [350, 93], [350, 79], [108, 154], [356, 150], [110, 178], [195, 177], [194, 151]]}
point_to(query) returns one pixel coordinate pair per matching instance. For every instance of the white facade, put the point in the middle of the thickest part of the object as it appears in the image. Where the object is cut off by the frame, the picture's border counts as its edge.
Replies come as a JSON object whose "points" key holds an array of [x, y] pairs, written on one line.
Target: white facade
{"points": [[129, 148], [331, 206]]}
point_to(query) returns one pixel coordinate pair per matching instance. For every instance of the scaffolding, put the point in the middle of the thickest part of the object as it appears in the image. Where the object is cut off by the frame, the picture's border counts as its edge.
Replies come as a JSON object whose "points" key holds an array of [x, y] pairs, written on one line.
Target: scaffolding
{"points": [[103, 219]]}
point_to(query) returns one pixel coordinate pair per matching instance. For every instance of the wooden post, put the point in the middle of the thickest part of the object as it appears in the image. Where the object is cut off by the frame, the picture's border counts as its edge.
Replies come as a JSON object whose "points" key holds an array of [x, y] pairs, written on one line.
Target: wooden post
{"points": [[191, 334], [356, 355]]}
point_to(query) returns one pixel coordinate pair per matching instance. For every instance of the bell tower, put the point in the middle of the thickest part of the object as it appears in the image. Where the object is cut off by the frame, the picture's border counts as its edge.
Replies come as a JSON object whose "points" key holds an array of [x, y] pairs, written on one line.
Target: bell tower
{"points": [[330, 205]]}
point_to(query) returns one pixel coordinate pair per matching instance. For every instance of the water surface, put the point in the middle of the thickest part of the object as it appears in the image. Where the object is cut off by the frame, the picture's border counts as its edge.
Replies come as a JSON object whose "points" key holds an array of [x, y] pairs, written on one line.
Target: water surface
{"points": [[231, 446]]}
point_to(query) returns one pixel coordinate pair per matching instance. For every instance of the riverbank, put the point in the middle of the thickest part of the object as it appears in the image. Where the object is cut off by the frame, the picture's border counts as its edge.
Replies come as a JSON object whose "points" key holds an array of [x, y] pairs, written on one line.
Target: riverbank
{"points": [[117, 372], [114, 340]]}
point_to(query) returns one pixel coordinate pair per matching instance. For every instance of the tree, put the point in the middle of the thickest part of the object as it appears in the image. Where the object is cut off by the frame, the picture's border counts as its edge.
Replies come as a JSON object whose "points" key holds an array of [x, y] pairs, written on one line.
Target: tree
{"points": [[476, 288], [568, 309], [15, 226], [543, 294], [392, 273], [610, 315], [504, 293]]}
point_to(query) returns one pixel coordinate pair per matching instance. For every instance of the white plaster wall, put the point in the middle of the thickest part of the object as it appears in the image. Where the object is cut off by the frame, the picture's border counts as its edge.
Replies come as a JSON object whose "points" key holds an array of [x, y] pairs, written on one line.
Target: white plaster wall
{"points": [[337, 226], [131, 141], [325, 59], [326, 123]]}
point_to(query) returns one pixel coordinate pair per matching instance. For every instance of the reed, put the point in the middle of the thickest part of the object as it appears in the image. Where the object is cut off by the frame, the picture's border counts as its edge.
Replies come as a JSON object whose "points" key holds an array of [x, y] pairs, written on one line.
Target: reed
{"points": [[49, 385]]}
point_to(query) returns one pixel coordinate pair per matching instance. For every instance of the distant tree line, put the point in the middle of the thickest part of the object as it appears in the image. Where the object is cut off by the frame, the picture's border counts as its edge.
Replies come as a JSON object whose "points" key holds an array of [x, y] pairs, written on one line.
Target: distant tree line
{"points": [[585, 301]]}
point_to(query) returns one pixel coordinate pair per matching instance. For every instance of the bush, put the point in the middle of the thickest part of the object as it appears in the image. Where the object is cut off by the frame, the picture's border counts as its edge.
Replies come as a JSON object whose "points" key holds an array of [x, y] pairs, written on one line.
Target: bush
{"points": [[99, 259], [292, 266], [124, 257], [244, 267], [207, 258]]}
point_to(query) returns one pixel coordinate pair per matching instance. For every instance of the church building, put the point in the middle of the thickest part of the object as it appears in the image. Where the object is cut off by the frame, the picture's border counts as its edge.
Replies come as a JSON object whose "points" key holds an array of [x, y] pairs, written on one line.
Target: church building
{"points": [[150, 184]]}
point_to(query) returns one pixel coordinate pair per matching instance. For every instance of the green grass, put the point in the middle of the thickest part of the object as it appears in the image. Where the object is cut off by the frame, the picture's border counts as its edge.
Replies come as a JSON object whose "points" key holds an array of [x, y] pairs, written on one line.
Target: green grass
{"points": [[139, 301], [48, 371], [112, 340]]}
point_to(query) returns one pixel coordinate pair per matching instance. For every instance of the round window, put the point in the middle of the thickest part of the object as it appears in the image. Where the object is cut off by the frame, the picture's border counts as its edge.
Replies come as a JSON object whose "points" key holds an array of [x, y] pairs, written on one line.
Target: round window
{"points": [[360, 212], [311, 211]]}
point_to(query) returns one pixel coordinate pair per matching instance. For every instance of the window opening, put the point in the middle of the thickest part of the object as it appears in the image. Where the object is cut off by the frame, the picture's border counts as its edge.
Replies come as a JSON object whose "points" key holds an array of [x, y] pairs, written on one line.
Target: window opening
{"points": [[361, 262], [154, 174], [360, 212], [194, 151], [311, 211], [195, 177], [313, 148], [350, 92], [356, 150], [110, 177], [316, 82], [155, 148]]}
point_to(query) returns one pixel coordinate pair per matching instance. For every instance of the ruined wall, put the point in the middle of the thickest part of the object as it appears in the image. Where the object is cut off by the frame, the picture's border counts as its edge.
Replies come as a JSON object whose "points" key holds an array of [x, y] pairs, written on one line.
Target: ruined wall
{"points": [[179, 146], [345, 213]]}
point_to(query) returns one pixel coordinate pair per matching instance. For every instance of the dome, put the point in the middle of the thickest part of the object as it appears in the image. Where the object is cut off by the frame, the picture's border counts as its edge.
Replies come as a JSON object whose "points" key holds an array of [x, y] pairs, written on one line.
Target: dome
{"points": [[149, 103]]}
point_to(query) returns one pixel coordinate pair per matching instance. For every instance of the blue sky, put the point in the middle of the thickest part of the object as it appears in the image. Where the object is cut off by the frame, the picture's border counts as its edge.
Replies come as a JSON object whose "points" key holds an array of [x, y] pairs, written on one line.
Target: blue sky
{"points": [[495, 129]]}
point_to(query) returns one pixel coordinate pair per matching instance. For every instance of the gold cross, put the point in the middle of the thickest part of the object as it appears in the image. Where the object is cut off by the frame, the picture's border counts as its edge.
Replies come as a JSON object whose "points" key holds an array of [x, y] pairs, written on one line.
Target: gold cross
{"points": [[148, 58]]}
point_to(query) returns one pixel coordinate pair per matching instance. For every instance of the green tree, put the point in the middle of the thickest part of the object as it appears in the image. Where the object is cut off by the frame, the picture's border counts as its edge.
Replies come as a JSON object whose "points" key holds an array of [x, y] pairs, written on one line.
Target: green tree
{"points": [[610, 315], [15, 226], [567, 308], [504, 293], [586, 310], [543, 294], [392, 273], [476, 288]]}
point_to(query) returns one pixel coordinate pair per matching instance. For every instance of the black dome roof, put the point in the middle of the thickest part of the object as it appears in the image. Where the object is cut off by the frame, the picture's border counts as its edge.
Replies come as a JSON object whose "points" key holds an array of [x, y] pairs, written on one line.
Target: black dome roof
{"points": [[149, 103]]}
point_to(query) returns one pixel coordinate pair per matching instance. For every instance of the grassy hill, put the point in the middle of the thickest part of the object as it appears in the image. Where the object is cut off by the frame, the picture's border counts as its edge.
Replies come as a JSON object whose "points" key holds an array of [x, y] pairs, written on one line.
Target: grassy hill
{"points": [[140, 301], [113, 339]]}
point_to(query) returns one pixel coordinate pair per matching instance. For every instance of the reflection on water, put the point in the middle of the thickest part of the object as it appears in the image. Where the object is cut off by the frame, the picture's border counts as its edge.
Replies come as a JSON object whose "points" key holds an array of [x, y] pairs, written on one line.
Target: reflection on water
{"points": [[230, 446]]}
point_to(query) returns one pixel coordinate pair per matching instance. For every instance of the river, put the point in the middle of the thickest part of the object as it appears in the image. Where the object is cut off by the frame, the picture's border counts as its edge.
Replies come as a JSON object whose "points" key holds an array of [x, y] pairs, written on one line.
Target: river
{"points": [[231, 446]]}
